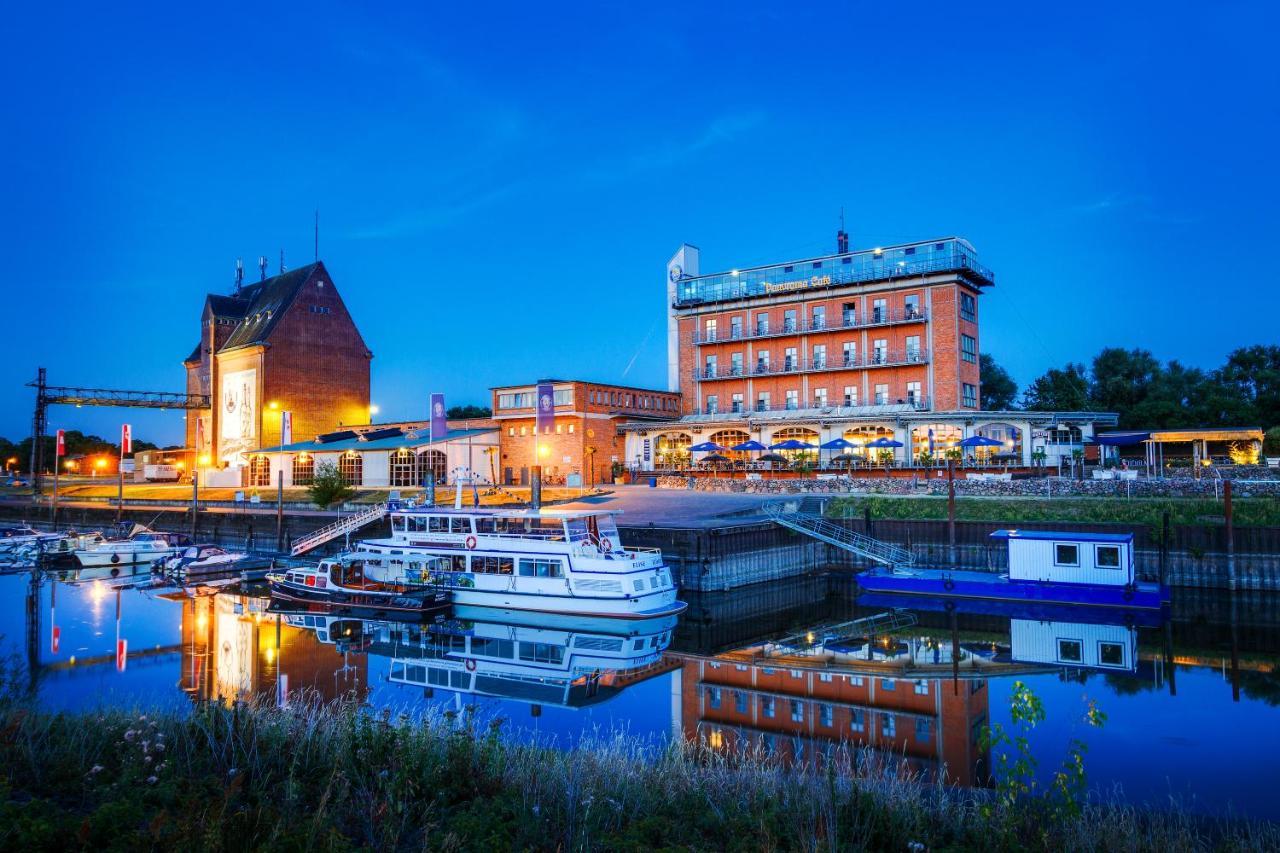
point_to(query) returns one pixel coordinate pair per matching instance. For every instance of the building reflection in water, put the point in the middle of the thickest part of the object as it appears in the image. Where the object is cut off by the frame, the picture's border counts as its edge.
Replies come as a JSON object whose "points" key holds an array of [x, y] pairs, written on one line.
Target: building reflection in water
{"points": [[234, 650]]}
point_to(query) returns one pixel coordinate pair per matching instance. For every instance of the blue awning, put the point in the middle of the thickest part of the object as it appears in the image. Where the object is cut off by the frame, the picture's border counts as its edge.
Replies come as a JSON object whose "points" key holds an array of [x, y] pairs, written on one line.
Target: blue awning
{"points": [[1120, 439]]}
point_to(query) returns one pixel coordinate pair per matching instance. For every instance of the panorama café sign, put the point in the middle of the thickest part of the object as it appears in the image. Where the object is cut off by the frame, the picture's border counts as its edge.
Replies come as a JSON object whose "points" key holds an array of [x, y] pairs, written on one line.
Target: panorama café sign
{"points": [[797, 284]]}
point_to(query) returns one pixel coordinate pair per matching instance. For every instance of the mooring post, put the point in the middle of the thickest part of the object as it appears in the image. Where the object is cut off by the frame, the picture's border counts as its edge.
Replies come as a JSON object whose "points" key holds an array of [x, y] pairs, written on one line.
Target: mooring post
{"points": [[951, 508], [1164, 546], [280, 510], [195, 502], [1231, 541]]}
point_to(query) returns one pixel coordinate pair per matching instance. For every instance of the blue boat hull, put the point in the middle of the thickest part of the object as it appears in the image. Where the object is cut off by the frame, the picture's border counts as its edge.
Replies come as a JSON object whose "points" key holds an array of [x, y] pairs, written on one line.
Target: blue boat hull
{"points": [[940, 583], [1135, 617]]}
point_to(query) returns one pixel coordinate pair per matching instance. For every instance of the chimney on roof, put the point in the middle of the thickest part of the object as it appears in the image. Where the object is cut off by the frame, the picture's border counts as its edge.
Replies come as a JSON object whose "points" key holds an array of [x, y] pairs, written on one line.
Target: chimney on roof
{"points": [[239, 275], [262, 267], [842, 242]]}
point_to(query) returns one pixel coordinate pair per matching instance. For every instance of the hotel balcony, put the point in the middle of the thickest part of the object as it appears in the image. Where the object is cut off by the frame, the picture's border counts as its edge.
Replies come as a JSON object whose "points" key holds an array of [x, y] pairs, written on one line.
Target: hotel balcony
{"points": [[816, 408], [882, 317], [815, 275], [783, 366]]}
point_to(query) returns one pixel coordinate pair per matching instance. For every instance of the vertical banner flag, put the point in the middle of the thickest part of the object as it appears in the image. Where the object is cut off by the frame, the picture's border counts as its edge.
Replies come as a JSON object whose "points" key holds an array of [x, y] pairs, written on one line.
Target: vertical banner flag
{"points": [[286, 428], [545, 399], [61, 449], [439, 424], [126, 441]]}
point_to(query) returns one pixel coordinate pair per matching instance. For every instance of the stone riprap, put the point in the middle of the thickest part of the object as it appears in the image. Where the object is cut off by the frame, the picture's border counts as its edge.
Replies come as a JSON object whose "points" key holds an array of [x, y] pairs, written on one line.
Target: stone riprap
{"points": [[1170, 487]]}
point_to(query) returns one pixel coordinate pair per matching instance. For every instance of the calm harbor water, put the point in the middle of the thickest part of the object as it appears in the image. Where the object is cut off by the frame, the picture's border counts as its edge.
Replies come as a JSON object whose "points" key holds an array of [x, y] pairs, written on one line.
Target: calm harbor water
{"points": [[1192, 697]]}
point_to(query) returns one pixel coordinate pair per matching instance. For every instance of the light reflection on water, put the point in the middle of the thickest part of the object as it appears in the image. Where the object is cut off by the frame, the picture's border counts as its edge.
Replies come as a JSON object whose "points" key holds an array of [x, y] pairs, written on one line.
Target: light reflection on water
{"points": [[1191, 698]]}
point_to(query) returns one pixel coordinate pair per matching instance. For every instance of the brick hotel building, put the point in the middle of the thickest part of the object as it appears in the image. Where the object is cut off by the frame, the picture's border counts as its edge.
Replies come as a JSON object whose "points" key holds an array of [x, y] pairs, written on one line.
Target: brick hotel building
{"points": [[867, 344]]}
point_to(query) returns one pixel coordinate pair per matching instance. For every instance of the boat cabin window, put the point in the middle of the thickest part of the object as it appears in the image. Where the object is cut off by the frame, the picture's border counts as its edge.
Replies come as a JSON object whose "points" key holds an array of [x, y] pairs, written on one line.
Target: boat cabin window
{"points": [[541, 569], [608, 527], [1066, 555], [577, 528], [541, 653], [1107, 557], [493, 565], [1070, 651], [459, 525], [438, 524], [492, 647], [1110, 654]]}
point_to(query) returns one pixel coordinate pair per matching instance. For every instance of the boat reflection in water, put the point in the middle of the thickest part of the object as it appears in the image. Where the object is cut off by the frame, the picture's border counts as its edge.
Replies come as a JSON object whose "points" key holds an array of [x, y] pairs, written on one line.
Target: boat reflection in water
{"points": [[540, 659]]}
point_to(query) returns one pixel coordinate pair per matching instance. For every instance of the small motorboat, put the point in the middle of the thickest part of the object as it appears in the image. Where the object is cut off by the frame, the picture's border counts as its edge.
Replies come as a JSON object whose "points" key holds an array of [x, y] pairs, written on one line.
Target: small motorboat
{"points": [[341, 584], [197, 560], [140, 545], [24, 537]]}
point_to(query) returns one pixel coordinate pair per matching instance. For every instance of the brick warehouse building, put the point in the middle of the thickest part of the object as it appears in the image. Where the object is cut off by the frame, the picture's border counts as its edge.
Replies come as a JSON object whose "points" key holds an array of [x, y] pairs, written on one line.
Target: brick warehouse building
{"points": [[286, 343], [585, 440], [862, 345]]}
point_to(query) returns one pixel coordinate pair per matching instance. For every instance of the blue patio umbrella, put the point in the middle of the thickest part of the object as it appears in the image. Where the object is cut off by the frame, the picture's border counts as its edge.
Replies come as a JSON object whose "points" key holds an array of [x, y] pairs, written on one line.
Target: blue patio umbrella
{"points": [[884, 442], [791, 444], [707, 447], [839, 444], [980, 441], [749, 445]]}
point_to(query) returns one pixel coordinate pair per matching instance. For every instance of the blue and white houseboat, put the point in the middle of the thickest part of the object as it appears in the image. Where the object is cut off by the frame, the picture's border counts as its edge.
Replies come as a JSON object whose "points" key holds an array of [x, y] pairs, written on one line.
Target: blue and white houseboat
{"points": [[545, 560], [1046, 567]]}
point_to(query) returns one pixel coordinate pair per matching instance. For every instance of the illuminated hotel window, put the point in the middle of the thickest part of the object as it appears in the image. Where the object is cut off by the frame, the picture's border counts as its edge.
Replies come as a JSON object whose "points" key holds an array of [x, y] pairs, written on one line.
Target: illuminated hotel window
{"points": [[570, 429], [401, 466], [524, 430], [259, 471], [304, 469], [511, 431], [559, 427], [709, 330], [351, 467]]}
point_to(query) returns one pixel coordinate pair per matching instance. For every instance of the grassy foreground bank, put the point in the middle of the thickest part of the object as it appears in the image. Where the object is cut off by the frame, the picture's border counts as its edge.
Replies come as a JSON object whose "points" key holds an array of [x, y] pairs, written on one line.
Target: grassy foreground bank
{"points": [[334, 779], [1148, 511]]}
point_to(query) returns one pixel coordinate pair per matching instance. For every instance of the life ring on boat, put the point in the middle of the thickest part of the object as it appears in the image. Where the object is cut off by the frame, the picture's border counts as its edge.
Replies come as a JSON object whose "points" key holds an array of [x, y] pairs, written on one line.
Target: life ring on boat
{"points": [[471, 665], [948, 584], [471, 543], [606, 544]]}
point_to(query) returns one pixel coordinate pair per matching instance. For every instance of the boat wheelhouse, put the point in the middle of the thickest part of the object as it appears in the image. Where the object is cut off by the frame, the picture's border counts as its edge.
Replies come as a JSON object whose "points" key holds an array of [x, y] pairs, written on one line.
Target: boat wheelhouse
{"points": [[342, 585], [1048, 567], [547, 560]]}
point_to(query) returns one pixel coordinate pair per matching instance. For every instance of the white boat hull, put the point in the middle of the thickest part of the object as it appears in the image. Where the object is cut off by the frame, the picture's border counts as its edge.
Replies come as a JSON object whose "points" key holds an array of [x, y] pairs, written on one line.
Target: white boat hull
{"points": [[102, 559]]}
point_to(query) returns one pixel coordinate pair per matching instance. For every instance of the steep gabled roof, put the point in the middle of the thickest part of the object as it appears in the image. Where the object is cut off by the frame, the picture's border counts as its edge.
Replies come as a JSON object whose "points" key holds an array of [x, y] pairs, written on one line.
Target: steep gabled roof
{"points": [[227, 306], [266, 302], [194, 357]]}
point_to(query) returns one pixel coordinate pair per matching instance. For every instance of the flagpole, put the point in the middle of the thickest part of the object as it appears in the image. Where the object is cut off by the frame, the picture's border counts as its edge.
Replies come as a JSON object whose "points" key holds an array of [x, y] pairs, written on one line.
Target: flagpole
{"points": [[57, 455]]}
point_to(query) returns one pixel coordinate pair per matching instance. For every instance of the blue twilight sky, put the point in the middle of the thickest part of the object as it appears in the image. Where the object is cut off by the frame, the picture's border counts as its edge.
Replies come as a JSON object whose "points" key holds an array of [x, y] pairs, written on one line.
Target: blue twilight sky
{"points": [[500, 186]]}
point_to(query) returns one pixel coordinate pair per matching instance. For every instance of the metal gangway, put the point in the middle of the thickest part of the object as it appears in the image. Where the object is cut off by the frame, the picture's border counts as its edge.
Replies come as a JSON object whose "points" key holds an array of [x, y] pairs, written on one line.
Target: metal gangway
{"points": [[868, 626], [819, 528], [341, 527]]}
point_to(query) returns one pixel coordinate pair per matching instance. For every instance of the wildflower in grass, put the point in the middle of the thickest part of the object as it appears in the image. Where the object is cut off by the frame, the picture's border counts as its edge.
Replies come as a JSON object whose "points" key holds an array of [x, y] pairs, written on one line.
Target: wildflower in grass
{"points": [[151, 780], [95, 770], [130, 735]]}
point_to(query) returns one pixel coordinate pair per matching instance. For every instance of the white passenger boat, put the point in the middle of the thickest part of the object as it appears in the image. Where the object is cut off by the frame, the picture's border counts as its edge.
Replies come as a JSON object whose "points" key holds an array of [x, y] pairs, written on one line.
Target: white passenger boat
{"points": [[546, 560], [142, 545], [341, 584]]}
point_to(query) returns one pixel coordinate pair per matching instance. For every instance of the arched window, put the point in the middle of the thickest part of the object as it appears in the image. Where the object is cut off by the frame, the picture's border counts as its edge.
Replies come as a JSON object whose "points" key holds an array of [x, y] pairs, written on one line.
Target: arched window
{"points": [[671, 449], [945, 437], [304, 469], [400, 467], [259, 471], [1010, 438], [727, 438], [798, 433], [863, 435], [351, 467], [433, 462]]}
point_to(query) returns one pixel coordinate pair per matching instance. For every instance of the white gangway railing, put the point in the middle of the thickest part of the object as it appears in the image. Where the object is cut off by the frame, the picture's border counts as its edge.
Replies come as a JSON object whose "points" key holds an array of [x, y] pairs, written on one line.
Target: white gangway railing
{"points": [[341, 527], [833, 534]]}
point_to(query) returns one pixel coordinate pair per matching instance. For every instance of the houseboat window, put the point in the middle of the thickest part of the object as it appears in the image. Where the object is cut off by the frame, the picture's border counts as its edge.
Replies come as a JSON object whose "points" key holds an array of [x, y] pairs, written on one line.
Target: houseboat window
{"points": [[1066, 555], [1108, 557], [1070, 651], [492, 648], [459, 525], [1110, 654], [541, 653], [541, 569], [438, 524], [419, 524], [492, 565], [416, 674], [486, 525]]}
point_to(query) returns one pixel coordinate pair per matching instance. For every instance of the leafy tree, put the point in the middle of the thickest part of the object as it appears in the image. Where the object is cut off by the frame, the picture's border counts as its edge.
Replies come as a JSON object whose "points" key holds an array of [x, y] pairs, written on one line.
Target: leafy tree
{"points": [[1253, 373], [996, 387], [1271, 441], [328, 486], [1059, 390], [461, 413], [1122, 380]]}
